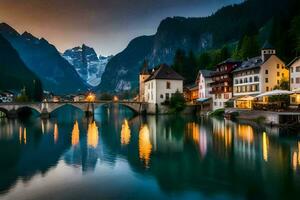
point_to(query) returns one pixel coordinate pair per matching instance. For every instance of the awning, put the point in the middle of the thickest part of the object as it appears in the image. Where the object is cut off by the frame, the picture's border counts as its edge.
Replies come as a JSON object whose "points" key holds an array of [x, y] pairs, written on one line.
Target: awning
{"points": [[296, 90], [246, 98], [275, 93], [201, 100]]}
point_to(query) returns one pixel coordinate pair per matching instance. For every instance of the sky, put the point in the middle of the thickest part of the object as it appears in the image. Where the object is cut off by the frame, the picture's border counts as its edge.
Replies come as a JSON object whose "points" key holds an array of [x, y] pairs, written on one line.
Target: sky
{"points": [[105, 25]]}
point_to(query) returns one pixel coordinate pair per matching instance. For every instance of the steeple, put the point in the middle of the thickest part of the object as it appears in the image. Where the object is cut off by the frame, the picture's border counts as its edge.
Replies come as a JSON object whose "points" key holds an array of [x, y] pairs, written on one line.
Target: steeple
{"points": [[267, 51], [144, 70]]}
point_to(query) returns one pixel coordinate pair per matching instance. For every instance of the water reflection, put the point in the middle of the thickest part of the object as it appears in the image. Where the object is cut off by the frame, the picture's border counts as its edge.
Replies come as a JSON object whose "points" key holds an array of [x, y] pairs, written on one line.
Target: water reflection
{"points": [[265, 146], [125, 133], [197, 157], [145, 146], [55, 133], [75, 134], [93, 135], [22, 135]]}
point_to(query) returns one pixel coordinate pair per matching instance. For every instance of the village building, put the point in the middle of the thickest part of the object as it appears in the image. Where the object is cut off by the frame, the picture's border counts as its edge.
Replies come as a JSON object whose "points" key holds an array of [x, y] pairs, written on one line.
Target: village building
{"points": [[162, 84], [222, 83], [6, 96], [258, 75], [204, 80], [295, 81], [191, 93]]}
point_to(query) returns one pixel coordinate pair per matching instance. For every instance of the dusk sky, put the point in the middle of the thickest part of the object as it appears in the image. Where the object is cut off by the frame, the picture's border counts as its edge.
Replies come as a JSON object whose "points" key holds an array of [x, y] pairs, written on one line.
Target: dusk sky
{"points": [[106, 25]]}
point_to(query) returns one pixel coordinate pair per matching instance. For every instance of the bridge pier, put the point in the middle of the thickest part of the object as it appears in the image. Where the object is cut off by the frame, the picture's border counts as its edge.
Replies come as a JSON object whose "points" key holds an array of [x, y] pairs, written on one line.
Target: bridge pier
{"points": [[45, 115], [12, 114]]}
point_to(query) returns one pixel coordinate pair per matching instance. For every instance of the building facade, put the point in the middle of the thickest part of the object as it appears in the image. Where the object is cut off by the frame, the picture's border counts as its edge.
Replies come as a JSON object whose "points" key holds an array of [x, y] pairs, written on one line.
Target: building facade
{"points": [[295, 81], [204, 80], [222, 85], [258, 75], [162, 84]]}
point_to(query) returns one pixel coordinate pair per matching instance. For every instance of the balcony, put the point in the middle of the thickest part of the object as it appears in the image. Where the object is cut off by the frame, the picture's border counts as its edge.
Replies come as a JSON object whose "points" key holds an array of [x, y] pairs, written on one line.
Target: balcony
{"points": [[219, 90]]}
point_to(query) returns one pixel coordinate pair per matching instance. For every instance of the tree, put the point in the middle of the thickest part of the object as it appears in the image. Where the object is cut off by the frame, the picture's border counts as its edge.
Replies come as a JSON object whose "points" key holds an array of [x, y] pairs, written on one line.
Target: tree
{"points": [[283, 85], [177, 102], [249, 47], [204, 61]]}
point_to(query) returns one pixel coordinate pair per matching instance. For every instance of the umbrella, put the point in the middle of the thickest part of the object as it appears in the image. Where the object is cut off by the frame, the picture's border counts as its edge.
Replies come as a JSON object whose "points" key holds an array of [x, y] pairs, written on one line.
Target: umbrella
{"points": [[275, 93]]}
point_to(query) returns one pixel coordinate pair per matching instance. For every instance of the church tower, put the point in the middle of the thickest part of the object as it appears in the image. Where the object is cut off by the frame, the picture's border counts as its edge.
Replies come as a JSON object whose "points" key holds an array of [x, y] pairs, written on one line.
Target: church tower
{"points": [[144, 75], [267, 51]]}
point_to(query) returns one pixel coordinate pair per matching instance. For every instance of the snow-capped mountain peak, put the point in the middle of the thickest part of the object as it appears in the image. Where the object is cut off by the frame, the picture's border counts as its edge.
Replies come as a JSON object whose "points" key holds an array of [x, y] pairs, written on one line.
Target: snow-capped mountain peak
{"points": [[88, 65]]}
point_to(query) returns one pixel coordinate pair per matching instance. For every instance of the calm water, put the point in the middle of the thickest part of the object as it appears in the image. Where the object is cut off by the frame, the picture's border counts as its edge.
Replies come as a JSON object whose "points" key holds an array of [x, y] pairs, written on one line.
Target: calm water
{"points": [[166, 157]]}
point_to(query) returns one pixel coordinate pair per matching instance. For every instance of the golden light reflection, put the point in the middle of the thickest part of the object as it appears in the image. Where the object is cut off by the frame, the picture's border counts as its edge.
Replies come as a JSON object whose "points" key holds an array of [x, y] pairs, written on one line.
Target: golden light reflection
{"points": [[75, 134], [22, 135], [203, 143], [43, 127], [125, 133], [245, 132], [93, 135], [193, 132], [145, 145], [265, 146], [296, 158], [55, 133]]}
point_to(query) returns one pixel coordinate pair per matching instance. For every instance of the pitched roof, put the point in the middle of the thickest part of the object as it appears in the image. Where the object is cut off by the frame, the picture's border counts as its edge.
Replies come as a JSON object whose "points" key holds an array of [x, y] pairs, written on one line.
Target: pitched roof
{"points": [[267, 45], [250, 64], [293, 61], [164, 72], [229, 60], [206, 73]]}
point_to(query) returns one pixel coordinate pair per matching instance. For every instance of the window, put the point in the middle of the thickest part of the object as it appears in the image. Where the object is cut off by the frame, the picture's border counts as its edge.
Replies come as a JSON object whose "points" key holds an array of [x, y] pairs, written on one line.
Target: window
{"points": [[267, 72], [293, 99], [292, 69], [282, 74], [267, 80], [161, 96], [292, 80], [267, 88], [167, 96], [298, 69], [256, 79], [297, 80], [278, 73], [168, 85], [151, 85], [277, 82], [277, 66], [250, 79]]}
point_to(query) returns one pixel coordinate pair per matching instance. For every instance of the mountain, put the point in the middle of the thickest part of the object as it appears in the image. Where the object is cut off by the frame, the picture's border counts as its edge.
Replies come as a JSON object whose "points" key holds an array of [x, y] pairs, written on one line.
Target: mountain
{"points": [[11, 66], [88, 65], [42, 58], [226, 26]]}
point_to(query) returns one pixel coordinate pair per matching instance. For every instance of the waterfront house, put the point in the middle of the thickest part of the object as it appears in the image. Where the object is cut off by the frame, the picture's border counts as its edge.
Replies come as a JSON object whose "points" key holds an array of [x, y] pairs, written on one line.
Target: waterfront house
{"points": [[222, 83], [295, 81], [258, 75], [204, 80], [162, 83], [191, 93]]}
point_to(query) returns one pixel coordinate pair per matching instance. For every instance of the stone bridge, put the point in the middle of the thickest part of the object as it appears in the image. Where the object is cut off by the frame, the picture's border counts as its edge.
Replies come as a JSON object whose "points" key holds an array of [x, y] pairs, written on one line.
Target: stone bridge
{"points": [[46, 108]]}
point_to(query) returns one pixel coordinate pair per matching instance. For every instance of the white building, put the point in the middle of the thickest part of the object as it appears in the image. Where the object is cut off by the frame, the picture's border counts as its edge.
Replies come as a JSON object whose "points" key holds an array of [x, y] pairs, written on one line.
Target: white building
{"points": [[162, 83], [295, 80], [258, 75], [204, 80]]}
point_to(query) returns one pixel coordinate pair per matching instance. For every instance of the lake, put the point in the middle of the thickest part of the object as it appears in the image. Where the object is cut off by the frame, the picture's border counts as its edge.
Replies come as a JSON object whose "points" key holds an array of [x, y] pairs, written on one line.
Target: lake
{"points": [[118, 156]]}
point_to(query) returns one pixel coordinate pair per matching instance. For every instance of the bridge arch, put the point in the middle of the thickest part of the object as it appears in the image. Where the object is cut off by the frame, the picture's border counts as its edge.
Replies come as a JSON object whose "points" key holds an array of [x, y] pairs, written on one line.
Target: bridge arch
{"points": [[53, 108], [32, 108], [4, 110]]}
